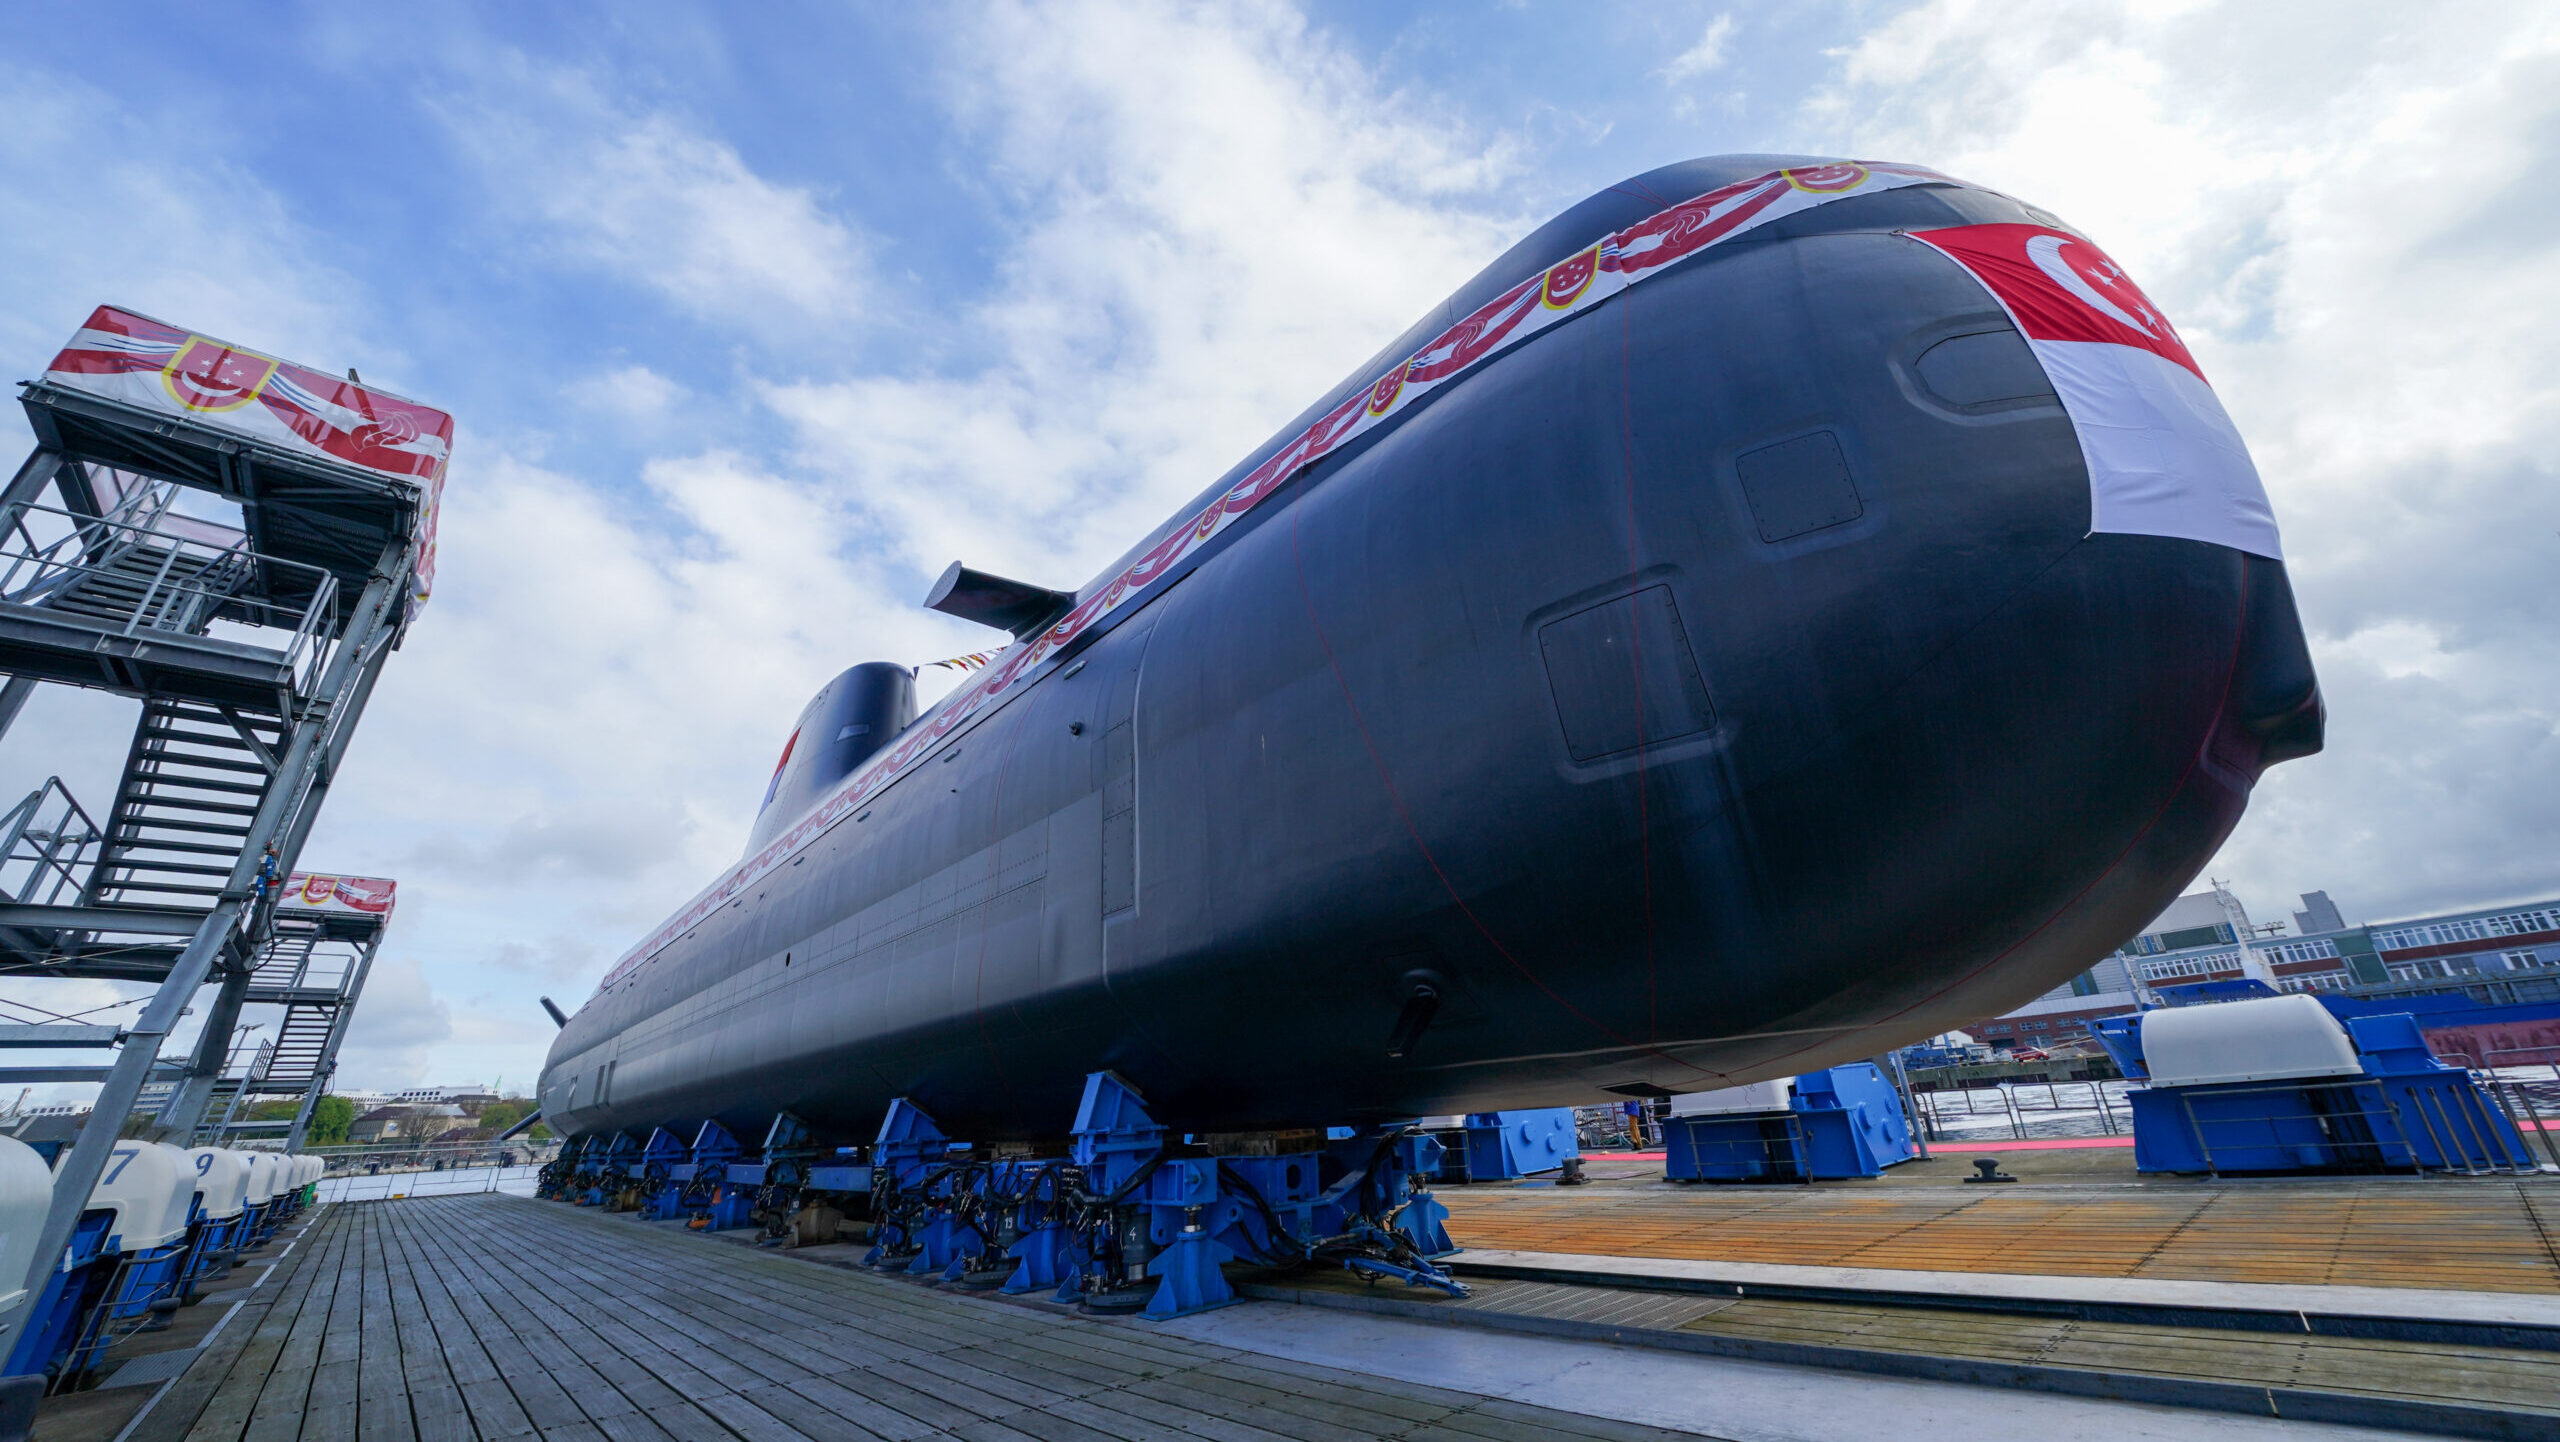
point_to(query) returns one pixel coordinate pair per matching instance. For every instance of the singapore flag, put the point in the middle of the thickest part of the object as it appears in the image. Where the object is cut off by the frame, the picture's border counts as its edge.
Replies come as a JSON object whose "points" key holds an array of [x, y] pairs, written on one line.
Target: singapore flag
{"points": [[2164, 460]]}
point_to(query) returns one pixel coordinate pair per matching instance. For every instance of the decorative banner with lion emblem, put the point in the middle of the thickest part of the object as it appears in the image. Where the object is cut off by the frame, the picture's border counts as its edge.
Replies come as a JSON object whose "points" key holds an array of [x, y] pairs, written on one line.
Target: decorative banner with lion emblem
{"points": [[310, 891], [143, 362]]}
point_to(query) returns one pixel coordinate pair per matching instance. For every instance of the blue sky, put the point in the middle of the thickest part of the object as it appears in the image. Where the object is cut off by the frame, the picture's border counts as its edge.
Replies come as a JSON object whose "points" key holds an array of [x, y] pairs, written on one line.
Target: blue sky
{"points": [[753, 317]]}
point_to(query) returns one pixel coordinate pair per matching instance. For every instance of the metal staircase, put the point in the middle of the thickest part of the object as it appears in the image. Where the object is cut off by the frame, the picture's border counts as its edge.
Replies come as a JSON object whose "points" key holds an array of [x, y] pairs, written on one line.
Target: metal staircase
{"points": [[312, 969], [191, 789], [301, 1045]]}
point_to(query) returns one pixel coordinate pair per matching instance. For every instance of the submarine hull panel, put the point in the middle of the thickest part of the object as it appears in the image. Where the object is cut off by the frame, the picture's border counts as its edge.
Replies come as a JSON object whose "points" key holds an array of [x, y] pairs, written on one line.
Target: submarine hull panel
{"points": [[1721, 684]]}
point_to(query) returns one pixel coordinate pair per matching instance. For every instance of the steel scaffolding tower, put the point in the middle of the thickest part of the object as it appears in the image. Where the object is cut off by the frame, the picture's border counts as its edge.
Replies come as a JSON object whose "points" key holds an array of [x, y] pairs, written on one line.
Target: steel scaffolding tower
{"points": [[312, 967], [252, 647]]}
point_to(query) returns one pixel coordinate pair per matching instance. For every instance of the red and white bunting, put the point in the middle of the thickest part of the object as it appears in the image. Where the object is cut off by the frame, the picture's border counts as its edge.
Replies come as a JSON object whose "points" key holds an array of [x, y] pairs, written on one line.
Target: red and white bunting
{"points": [[1578, 283]]}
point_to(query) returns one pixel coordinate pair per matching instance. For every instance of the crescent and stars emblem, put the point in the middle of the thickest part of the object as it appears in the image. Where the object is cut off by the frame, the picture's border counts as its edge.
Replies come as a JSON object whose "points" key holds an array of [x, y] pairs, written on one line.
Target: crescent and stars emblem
{"points": [[1384, 393], [1568, 279], [2097, 282], [1827, 179], [206, 375]]}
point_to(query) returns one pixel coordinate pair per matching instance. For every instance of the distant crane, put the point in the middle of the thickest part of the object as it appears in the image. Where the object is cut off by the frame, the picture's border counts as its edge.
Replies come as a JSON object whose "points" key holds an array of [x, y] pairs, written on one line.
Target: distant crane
{"points": [[2252, 965]]}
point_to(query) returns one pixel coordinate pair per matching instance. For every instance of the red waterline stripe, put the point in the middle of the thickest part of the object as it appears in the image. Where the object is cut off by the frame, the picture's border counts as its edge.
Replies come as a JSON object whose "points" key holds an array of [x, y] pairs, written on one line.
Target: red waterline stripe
{"points": [[1948, 1148], [2062, 1144]]}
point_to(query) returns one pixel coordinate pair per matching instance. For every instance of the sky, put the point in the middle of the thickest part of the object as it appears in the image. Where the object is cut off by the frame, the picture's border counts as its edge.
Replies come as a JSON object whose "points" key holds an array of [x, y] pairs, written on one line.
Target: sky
{"points": [[753, 318]]}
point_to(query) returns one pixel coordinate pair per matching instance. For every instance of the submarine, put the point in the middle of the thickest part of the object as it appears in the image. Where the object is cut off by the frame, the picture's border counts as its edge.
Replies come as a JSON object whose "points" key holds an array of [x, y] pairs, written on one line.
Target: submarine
{"points": [[1780, 609]]}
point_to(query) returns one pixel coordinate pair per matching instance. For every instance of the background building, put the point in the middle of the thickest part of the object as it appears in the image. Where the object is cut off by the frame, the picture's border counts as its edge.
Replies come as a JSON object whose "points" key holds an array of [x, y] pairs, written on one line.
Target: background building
{"points": [[2499, 954]]}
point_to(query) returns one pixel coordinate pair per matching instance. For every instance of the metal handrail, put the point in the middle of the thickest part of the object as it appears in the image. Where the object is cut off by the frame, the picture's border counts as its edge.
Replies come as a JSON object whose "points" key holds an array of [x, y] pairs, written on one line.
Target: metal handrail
{"points": [[310, 644], [322, 965], [2482, 1152], [173, 600], [26, 837], [2379, 1144], [1788, 1164]]}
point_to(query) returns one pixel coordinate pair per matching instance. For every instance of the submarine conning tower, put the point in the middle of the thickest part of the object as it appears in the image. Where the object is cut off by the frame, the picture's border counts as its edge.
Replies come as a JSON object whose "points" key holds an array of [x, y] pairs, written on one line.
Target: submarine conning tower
{"points": [[844, 725], [1780, 609]]}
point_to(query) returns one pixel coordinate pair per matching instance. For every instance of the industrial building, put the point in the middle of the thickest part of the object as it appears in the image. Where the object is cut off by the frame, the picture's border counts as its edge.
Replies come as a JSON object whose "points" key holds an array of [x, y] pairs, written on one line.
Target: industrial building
{"points": [[2499, 955]]}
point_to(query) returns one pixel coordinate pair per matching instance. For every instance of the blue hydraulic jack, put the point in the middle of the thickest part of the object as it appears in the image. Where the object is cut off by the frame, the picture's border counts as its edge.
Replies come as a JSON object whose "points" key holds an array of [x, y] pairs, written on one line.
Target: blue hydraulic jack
{"points": [[1361, 1203], [1135, 1219], [612, 1177], [558, 1179], [912, 1224], [709, 1200], [666, 1164]]}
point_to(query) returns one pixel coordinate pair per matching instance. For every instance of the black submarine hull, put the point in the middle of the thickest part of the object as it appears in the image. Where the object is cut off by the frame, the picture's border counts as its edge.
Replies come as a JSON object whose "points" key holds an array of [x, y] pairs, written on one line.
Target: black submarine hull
{"points": [[1711, 687]]}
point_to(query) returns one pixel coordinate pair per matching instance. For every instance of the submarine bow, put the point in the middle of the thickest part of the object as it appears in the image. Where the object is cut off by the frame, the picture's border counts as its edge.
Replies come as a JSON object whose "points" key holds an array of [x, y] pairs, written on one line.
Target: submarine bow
{"points": [[1729, 636]]}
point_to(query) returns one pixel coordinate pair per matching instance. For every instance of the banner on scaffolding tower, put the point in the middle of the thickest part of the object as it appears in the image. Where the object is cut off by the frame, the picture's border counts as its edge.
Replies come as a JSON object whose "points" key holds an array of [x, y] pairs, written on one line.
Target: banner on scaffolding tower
{"points": [[142, 362], [364, 895]]}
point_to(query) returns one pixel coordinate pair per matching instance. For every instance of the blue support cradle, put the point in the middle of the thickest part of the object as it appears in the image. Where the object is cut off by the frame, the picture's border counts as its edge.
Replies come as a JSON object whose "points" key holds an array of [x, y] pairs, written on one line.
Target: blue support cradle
{"points": [[906, 1160], [666, 1164], [1137, 1219], [710, 1199]]}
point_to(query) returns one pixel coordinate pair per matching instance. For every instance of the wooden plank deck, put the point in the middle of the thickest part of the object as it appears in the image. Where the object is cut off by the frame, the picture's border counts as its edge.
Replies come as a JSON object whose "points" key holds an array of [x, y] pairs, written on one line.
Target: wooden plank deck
{"points": [[2442, 1233], [489, 1317]]}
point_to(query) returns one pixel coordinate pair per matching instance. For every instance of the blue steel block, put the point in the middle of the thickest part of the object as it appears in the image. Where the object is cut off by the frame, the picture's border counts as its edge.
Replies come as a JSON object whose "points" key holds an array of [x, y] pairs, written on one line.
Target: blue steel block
{"points": [[2392, 1045], [1843, 1121], [1502, 1146], [1759, 1147], [661, 1188], [789, 1147], [1852, 1122], [1423, 1221], [2122, 1037], [1114, 1137], [714, 1196], [1045, 1257], [2313, 1124], [732, 1206], [2408, 1110], [851, 1177], [1187, 1277], [1264, 1188], [943, 1243]]}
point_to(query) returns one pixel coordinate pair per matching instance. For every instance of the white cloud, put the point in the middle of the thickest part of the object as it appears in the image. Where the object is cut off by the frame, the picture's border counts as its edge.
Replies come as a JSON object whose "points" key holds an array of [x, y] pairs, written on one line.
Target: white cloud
{"points": [[634, 395], [108, 205], [1215, 216], [1705, 57], [397, 1025], [650, 199], [2349, 213]]}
